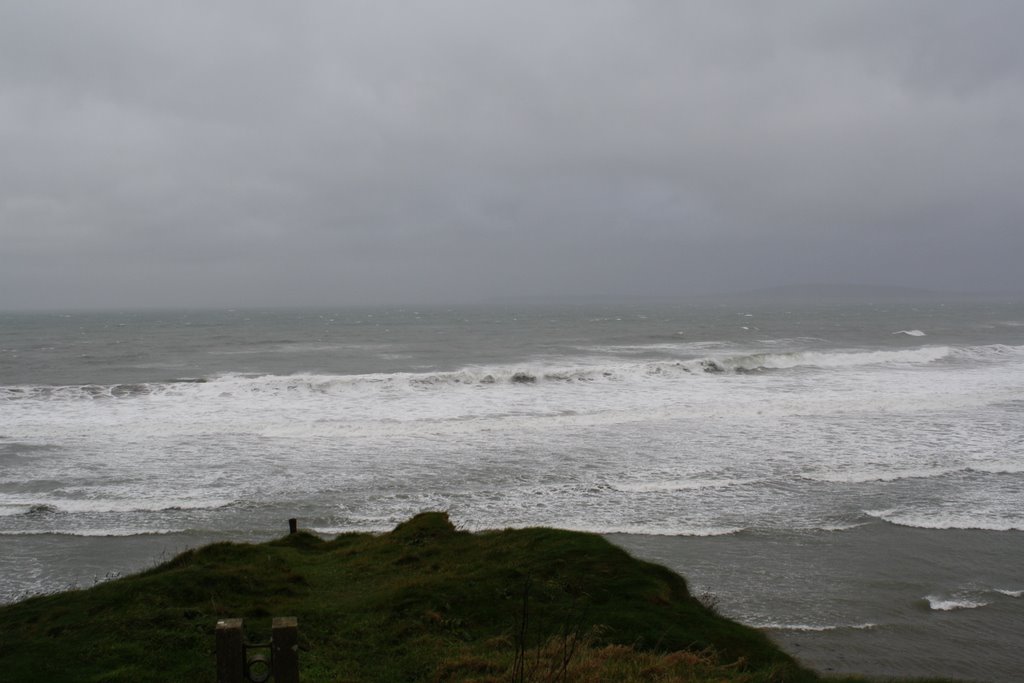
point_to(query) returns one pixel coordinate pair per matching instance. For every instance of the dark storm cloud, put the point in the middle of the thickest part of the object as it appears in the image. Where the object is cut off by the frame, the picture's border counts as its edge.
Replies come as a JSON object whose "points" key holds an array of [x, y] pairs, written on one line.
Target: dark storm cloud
{"points": [[330, 153]]}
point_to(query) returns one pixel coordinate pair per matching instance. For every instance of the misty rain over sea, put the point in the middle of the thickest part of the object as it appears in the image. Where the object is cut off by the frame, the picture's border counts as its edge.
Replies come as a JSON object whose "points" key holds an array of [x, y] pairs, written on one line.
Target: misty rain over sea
{"points": [[849, 477]]}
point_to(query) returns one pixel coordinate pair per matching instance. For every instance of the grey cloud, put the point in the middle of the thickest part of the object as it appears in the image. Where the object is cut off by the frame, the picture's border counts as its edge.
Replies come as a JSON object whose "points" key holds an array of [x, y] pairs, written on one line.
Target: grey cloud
{"points": [[257, 153]]}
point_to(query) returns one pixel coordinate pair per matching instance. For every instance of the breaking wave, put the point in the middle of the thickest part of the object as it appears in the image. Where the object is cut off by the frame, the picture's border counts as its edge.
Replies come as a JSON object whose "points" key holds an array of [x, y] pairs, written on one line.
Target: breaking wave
{"points": [[948, 521], [37, 508], [870, 476], [948, 604], [97, 532], [824, 360], [814, 628], [679, 485], [575, 371]]}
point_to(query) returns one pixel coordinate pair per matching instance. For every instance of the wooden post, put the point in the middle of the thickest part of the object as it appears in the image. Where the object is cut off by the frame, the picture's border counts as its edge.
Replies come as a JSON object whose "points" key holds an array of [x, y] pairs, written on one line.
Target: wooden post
{"points": [[293, 525], [284, 649], [230, 651]]}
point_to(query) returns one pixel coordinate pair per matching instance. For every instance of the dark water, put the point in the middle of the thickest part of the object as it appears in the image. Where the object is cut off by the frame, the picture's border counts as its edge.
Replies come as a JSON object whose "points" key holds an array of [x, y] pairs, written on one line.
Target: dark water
{"points": [[879, 599]]}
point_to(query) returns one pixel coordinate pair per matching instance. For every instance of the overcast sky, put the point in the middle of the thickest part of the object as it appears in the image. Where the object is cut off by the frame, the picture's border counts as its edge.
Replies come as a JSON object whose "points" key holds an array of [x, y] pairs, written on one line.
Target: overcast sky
{"points": [[250, 153]]}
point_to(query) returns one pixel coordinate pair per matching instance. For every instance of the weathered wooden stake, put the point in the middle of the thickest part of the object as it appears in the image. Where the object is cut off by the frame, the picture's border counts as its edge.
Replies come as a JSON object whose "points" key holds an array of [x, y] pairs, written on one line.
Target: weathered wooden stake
{"points": [[230, 651], [284, 649], [293, 525]]}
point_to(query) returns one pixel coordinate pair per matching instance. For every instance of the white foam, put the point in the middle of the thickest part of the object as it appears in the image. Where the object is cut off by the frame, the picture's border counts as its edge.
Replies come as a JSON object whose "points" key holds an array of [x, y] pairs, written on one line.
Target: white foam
{"points": [[727, 442], [990, 352], [672, 348], [792, 341], [946, 604], [911, 333], [820, 359], [864, 477], [814, 628], [651, 529], [78, 506], [679, 485], [996, 468], [839, 526], [981, 521], [236, 385], [1010, 593], [97, 531]]}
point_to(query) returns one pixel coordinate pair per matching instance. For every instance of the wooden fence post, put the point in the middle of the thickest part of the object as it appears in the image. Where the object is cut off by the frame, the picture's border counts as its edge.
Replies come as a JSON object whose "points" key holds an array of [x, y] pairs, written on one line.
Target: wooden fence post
{"points": [[284, 649], [230, 651]]}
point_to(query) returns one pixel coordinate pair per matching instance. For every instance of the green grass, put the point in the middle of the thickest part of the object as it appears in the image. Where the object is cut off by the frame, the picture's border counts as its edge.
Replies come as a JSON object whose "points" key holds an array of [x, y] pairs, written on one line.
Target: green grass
{"points": [[422, 603]]}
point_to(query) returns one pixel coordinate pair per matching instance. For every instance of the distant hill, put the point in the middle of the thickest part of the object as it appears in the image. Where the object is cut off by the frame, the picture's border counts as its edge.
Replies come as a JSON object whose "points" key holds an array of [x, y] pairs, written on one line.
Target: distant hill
{"points": [[826, 293], [786, 294]]}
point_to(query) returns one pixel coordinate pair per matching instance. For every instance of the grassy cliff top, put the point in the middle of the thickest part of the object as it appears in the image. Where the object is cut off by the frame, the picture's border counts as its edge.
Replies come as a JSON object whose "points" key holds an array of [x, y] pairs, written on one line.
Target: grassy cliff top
{"points": [[424, 602]]}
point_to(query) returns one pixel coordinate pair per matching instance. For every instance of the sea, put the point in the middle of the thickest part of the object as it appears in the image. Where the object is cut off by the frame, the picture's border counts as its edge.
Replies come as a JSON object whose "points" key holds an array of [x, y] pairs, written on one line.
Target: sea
{"points": [[847, 476]]}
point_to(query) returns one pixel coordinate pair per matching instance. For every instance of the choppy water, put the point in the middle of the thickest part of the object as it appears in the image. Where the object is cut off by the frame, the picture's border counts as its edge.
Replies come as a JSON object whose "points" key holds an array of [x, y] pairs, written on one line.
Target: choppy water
{"points": [[139, 434]]}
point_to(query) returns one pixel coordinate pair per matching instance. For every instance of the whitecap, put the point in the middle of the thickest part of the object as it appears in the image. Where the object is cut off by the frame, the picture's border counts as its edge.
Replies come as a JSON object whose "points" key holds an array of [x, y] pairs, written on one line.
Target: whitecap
{"points": [[679, 485], [865, 477], [55, 506], [947, 604], [651, 529], [839, 526], [815, 628], [990, 352], [819, 359], [911, 333], [946, 521], [792, 341], [996, 468], [95, 532]]}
